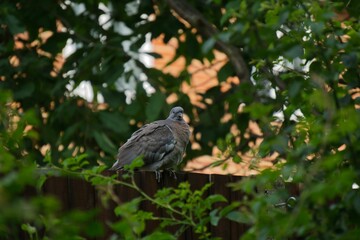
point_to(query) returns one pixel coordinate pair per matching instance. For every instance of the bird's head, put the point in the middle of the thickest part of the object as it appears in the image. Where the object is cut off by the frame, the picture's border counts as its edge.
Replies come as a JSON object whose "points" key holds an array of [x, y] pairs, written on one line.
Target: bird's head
{"points": [[176, 114]]}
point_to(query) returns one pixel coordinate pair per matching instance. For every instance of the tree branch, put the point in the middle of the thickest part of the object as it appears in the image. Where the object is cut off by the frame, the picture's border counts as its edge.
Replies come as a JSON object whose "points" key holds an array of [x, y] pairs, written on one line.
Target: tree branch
{"points": [[207, 30]]}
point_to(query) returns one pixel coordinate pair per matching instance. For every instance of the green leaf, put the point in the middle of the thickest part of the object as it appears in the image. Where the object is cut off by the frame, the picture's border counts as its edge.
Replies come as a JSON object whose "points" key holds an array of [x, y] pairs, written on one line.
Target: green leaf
{"points": [[28, 228], [258, 110], [215, 198], [14, 24], [217, 163], [154, 107], [208, 45], [214, 217], [94, 229], [128, 207], [75, 163], [221, 144], [238, 217], [136, 163], [237, 159], [55, 43], [26, 90], [160, 236], [229, 208], [40, 182], [122, 227], [114, 121], [294, 52], [350, 60], [5, 96], [317, 27], [104, 142], [71, 132], [225, 72]]}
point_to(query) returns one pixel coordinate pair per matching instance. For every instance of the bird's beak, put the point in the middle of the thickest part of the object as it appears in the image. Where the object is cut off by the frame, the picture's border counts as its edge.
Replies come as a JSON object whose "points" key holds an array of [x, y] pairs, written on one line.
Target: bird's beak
{"points": [[180, 116]]}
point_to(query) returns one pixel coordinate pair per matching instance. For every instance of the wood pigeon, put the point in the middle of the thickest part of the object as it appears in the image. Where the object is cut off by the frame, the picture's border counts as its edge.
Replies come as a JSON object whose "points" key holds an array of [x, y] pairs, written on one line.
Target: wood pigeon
{"points": [[161, 144]]}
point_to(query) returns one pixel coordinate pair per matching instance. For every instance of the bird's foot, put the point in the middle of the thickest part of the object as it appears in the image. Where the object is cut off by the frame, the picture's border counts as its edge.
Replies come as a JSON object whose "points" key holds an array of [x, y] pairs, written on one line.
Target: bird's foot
{"points": [[158, 175], [172, 172]]}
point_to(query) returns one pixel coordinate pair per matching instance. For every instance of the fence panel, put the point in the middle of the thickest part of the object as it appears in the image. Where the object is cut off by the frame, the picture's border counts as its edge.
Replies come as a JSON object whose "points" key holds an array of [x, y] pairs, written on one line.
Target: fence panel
{"points": [[79, 194]]}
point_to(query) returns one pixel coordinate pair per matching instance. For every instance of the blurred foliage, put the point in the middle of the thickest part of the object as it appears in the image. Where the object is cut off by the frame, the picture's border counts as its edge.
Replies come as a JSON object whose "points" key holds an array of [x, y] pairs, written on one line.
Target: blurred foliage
{"points": [[303, 57], [25, 213]]}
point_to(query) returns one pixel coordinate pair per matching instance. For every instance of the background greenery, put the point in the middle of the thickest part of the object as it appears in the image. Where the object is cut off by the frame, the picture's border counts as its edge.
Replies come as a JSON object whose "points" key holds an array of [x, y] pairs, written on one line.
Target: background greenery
{"points": [[312, 67]]}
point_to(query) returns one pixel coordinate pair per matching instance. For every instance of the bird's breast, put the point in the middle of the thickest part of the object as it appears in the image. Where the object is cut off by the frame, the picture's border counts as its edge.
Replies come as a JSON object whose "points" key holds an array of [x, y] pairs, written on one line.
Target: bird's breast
{"points": [[182, 132]]}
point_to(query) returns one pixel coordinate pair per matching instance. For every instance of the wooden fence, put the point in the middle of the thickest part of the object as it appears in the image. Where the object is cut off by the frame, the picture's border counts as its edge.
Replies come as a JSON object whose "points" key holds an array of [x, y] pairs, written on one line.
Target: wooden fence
{"points": [[76, 193]]}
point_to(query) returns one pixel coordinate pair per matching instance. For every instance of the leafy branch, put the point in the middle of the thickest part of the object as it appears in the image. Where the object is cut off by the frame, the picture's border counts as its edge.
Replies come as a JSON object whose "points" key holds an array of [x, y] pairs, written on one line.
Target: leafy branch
{"points": [[184, 207], [185, 11]]}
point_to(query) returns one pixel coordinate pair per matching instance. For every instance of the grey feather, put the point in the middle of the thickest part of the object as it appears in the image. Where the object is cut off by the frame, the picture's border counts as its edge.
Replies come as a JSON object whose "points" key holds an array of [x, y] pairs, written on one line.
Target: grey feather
{"points": [[161, 143]]}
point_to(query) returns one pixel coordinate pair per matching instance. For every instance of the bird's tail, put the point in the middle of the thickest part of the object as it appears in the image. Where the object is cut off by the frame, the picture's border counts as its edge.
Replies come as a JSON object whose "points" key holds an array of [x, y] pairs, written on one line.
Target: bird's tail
{"points": [[116, 166]]}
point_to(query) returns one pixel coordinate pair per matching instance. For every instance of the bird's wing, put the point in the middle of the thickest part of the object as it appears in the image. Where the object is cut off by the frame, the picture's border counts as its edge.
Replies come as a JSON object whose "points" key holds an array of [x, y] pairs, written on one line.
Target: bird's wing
{"points": [[153, 141]]}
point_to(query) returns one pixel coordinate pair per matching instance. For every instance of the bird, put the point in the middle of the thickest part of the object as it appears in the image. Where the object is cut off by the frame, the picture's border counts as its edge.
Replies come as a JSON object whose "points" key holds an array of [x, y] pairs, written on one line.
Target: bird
{"points": [[160, 144]]}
